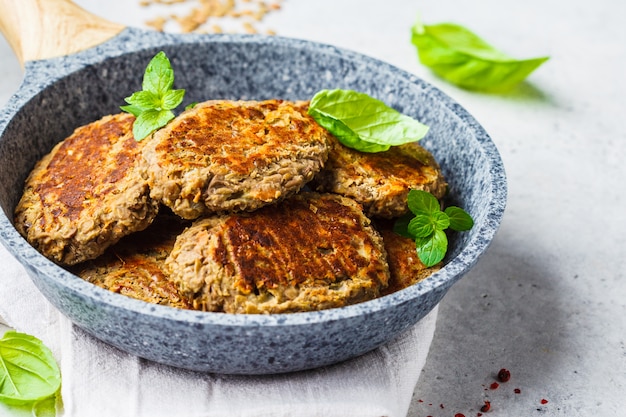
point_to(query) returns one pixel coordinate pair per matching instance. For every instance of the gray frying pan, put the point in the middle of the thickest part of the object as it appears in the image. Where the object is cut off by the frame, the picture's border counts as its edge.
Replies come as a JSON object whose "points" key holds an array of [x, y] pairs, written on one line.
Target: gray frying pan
{"points": [[79, 68]]}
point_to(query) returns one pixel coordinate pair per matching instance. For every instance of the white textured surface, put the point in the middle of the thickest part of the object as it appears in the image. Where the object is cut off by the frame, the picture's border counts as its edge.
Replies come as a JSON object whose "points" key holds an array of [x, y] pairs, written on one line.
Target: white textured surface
{"points": [[378, 383], [547, 301]]}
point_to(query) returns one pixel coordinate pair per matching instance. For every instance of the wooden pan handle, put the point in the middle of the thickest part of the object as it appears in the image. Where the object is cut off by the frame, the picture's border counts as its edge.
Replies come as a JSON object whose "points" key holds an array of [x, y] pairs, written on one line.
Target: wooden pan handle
{"points": [[40, 29]]}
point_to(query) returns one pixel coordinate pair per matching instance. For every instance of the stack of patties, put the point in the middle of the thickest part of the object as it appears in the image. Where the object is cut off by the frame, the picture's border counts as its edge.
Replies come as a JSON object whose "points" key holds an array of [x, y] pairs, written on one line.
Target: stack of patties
{"points": [[380, 182], [266, 212], [134, 266]]}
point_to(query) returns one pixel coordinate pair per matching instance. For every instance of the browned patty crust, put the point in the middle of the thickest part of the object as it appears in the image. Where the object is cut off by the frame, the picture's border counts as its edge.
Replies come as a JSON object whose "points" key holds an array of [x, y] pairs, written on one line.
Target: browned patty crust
{"points": [[224, 156], [380, 181], [405, 266], [134, 266], [87, 193], [309, 252]]}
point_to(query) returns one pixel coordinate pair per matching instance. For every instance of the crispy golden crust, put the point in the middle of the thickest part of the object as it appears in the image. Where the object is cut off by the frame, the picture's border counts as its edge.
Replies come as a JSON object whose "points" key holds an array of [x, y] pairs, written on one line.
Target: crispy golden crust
{"points": [[380, 181], [224, 156], [87, 193], [405, 266], [134, 266], [309, 252]]}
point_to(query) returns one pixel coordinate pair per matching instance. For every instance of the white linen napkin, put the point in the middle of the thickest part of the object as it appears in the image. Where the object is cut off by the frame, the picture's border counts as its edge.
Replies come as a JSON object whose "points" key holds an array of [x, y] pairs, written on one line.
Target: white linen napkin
{"points": [[100, 380]]}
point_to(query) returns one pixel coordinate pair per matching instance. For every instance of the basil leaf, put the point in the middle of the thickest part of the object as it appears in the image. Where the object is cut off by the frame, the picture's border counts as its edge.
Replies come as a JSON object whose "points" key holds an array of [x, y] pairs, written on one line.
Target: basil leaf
{"points": [[401, 226], [432, 249], [459, 56], [153, 105], [355, 117], [440, 220], [425, 223], [172, 99], [346, 136], [144, 100], [421, 226], [28, 371], [159, 76], [149, 121], [132, 109], [45, 408], [460, 220], [42, 408], [422, 202]]}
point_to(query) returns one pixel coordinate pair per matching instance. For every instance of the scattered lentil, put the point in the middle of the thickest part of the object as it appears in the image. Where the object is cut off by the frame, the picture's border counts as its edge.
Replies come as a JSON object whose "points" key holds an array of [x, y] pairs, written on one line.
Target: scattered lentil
{"points": [[202, 16], [157, 23]]}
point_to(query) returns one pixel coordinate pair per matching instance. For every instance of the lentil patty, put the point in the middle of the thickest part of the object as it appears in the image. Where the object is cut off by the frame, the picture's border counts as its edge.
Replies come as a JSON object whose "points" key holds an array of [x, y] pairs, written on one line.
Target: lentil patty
{"points": [[309, 252], [224, 156], [87, 193], [134, 266], [380, 181]]}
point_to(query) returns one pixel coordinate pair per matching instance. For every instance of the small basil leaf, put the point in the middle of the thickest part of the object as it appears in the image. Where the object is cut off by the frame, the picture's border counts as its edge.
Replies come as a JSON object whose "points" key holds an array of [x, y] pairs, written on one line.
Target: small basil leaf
{"points": [[152, 106], [172, 99], [459, 56], [191, 105], [149, 121], [422, 202], [159, 76], [144, 100], [440, 220], [422, 225], [28, 371], [432, 249], [425, 223], [460, 220], [401, 226], [132, 109], [367, 118]]}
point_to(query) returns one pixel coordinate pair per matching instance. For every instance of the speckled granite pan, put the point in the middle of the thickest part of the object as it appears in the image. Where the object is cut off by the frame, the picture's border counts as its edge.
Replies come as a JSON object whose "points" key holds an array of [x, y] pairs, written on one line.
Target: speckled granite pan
{"points": [[60, 94]]}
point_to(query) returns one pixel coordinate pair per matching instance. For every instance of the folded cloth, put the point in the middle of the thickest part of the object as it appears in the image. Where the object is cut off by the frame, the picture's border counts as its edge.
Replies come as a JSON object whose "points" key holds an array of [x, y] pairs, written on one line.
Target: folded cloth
{"points": [[100, 380]]}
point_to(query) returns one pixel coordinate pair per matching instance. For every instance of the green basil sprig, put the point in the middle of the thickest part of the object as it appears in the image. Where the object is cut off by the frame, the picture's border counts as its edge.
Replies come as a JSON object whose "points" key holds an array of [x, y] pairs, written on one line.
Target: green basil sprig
{"points": [[426, 224], [153, 105], [362, 122], [459, 56], [28, 371]]}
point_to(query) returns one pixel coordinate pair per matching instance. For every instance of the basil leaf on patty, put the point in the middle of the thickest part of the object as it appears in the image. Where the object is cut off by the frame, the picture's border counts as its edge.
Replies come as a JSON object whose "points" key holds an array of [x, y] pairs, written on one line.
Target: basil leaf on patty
{"points": [[362, 122], [153, 105], [426, 224]]}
